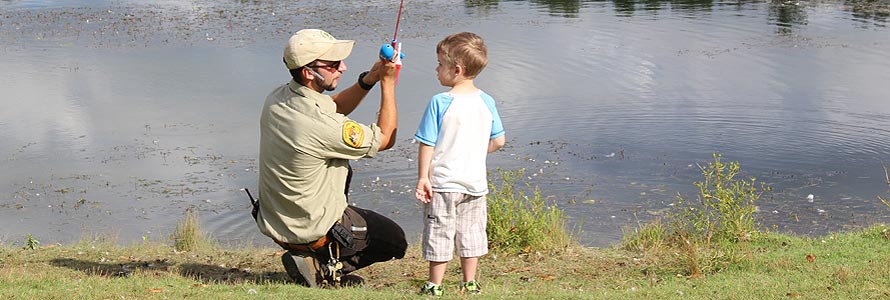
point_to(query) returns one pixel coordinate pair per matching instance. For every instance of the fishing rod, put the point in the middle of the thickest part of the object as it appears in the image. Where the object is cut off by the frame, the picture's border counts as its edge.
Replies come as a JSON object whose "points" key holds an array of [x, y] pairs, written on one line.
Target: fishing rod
{"points": [[388, 51]]}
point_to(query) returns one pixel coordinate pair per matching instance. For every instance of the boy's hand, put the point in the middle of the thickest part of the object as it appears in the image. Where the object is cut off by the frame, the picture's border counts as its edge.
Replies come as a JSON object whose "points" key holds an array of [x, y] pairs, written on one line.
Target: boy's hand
{"points": [[424, 190]]}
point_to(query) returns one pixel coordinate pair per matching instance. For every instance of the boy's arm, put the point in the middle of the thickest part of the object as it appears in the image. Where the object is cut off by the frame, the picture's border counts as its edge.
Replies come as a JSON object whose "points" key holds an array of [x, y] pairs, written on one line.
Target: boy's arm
{"points": [[496, 143], [424, 190]]}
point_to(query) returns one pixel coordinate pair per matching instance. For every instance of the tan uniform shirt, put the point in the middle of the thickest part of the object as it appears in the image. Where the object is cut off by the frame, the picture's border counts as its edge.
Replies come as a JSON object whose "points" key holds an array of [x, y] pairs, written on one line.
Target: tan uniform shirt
{"points": [[305, 146]]}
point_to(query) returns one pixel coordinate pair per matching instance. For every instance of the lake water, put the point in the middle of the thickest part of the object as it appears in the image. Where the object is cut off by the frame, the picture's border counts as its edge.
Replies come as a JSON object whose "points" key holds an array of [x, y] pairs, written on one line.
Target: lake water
{"points": [[118, 115]]}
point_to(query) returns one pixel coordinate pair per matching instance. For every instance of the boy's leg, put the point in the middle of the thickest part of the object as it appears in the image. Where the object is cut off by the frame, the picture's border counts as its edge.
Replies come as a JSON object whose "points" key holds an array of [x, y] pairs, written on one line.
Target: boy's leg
{"points": [[468, 267], [471, 239], [437, 271], [438, 233]]}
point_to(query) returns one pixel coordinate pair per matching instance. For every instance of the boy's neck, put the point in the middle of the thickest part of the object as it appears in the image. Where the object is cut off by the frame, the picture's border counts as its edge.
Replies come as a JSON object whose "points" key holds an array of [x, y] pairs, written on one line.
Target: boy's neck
{"points": [[464, 86]]}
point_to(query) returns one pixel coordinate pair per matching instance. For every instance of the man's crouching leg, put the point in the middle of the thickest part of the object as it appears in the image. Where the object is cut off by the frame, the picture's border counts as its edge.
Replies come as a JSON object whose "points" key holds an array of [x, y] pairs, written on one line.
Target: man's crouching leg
{"points": [[377, 239]]}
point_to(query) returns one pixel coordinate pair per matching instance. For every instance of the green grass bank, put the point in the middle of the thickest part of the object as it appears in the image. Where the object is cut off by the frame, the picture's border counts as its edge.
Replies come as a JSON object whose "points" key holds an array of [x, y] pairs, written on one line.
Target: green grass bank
{"points": [[708, 247], [852, 265]]}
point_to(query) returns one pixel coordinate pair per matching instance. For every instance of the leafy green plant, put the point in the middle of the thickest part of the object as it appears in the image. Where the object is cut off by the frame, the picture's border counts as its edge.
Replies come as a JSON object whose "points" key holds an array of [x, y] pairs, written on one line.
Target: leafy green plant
{"points": [[31, 243], [725, 206], [518, 222]]}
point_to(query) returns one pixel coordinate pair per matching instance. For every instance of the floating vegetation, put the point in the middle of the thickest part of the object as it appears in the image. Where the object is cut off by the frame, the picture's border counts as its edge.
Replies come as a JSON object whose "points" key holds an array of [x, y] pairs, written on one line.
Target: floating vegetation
{"points": [[234, 23]]}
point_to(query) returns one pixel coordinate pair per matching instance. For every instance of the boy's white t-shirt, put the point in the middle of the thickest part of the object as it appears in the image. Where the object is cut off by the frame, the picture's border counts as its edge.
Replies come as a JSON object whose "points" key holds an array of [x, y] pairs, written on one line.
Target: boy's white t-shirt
{"points": [[459, 127]]}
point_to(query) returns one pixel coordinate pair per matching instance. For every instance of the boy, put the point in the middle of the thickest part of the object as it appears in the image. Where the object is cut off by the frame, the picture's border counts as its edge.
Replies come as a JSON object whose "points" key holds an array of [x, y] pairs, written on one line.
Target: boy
{"points": [[458, 129]]}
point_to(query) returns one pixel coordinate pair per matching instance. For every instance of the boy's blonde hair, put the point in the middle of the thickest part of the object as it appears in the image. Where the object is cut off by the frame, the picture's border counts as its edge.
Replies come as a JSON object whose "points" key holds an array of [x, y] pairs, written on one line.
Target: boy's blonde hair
{"points": [[464, 49]]}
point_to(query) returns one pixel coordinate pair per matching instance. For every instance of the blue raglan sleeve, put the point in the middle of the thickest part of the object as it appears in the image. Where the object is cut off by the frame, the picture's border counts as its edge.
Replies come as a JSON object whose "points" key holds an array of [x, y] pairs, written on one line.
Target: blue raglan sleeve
{"points": [[497, 128], [428, 130]]}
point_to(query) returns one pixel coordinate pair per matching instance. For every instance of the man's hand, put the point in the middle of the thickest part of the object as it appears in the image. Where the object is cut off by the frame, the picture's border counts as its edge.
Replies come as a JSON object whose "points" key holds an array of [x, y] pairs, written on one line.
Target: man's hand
{"points": [[381, 68], [383, 71], [374, 74], [424, 190]]}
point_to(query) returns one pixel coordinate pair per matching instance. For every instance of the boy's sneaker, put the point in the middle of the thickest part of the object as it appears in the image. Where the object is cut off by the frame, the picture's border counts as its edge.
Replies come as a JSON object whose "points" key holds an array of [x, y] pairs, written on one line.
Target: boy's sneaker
{"points": [[433, 290], [303, 268], [471, 287]]}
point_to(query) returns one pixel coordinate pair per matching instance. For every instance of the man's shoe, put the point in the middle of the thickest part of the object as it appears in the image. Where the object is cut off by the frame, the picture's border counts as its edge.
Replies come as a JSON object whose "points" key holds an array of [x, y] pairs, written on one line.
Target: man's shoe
{"points": [[435, 290], [471, 287], [303, 268]]}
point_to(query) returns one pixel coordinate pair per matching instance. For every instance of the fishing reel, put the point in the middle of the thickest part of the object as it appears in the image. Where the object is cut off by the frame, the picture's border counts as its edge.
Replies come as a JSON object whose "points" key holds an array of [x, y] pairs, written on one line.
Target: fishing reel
{"points": [[387, 51]]}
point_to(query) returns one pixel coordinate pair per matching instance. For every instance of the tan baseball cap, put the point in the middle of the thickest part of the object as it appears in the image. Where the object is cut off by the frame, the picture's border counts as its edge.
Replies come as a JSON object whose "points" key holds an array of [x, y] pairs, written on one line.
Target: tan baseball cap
{"points": [[308, 45]]}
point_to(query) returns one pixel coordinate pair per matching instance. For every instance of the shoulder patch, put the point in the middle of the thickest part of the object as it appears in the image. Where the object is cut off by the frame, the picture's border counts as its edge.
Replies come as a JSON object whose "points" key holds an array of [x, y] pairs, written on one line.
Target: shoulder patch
{"points": [[353, 134]]}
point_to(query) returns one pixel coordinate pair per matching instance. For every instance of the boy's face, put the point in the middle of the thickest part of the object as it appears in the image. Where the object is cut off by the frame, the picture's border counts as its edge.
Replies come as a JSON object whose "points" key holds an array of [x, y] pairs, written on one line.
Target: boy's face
{"points": [[446, 74]]}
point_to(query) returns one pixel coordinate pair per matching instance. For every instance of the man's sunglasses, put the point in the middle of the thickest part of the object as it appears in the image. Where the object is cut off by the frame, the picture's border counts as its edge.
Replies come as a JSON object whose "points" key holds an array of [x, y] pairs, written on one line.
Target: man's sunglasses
{"points": [[333, 67]]}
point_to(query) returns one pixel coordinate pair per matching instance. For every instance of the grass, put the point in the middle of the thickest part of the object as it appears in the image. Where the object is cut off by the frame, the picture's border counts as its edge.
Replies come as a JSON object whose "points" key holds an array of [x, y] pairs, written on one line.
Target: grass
{"points": [[188, 235], [667, 259], [518, 222], [852, 265]]}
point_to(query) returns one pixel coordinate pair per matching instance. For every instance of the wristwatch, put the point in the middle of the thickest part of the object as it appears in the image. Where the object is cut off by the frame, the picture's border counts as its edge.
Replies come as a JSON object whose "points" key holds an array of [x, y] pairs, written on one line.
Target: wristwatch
{"points": [[362, 83]]}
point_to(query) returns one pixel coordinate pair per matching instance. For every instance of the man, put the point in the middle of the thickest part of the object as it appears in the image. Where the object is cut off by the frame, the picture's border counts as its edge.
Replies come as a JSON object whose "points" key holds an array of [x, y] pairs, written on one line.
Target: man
{"points": [[306, 142]]}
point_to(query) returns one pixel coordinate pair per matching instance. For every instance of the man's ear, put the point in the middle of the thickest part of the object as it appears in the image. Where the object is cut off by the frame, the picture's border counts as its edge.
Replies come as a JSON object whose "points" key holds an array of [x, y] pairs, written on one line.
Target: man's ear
{"points": [[306, 73], [313, 73]]}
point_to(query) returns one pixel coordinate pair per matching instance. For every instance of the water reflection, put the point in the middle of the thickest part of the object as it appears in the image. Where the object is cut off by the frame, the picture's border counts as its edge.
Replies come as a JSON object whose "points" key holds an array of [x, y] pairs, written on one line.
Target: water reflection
{"points": [[786, 14], [864, 10], [564, 8]]}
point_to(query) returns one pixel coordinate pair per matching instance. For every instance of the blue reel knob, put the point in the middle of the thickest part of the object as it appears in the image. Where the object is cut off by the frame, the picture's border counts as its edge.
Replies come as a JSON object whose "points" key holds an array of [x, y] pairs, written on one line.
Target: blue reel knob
{"points": [[387, 51]]}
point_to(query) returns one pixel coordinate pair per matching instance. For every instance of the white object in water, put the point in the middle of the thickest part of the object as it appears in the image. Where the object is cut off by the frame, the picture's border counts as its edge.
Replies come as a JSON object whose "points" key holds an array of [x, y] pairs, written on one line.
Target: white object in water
{"points": [[611, 154], [810, 198]]}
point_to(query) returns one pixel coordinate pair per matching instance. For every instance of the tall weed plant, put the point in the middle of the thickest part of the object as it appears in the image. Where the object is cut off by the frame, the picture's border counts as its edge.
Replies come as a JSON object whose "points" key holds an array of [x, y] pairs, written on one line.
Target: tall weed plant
{"points": [[711, 230], [520, 222], [725, 206], [188, 235], [887, 181]]}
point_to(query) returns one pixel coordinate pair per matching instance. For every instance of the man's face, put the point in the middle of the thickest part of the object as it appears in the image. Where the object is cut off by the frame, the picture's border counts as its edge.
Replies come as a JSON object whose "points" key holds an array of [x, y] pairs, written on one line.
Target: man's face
{"points": [[327, 73]]}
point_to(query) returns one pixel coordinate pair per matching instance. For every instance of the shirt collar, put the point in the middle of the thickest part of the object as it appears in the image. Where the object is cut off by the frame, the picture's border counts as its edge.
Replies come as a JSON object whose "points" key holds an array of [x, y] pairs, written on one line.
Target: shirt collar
{"points": [[324, 102]]}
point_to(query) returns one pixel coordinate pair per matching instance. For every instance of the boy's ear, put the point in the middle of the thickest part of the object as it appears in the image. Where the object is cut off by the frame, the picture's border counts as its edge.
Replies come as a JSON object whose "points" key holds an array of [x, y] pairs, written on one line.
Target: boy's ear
{"points": [[459, 70]]}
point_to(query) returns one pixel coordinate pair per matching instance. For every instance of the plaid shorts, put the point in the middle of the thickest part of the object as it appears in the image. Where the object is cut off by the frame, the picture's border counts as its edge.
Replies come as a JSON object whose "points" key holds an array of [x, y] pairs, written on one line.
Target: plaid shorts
{"points": [[454, 221]]}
